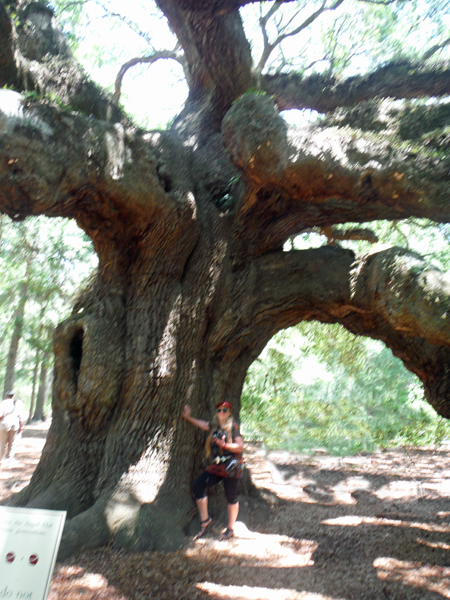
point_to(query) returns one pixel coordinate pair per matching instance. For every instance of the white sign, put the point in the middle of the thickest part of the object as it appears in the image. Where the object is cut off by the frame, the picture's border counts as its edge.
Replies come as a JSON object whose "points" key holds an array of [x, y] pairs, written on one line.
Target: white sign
{"points": [[29, 542]]}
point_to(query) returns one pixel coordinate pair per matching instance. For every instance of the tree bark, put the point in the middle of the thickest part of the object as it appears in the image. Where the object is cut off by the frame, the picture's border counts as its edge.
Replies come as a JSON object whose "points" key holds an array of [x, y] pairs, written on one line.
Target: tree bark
{"points": [[42, 390], [189, 226], [397, 80], [15, 339], [37, 366], [37, 363]]}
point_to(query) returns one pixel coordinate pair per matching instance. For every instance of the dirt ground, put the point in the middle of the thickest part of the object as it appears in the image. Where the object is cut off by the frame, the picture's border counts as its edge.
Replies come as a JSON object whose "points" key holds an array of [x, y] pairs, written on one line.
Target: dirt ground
{"points": [[369, 527]]}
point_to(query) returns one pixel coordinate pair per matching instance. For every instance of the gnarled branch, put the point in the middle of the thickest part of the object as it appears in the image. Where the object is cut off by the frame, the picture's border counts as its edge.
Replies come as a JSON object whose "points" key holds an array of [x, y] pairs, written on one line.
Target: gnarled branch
{"points": [[320, 177], [397, 80], [391, 295], [58, 163], [167, 54]]}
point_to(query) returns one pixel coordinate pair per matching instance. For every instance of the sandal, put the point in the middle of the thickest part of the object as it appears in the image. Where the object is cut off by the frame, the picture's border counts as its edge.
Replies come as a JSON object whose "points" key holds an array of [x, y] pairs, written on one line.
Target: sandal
{"points": [[203, 527], [226, 535]]}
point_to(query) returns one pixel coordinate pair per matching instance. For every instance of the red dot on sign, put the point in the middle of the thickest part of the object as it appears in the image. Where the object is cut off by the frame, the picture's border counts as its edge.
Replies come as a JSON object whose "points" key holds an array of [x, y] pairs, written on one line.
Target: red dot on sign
{"points": [[10, 557], [33, 559]]}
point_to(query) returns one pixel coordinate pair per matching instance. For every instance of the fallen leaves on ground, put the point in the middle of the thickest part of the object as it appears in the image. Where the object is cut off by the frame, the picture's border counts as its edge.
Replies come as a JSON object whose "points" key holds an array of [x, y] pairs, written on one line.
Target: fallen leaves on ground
{"points": [[369, 527]]}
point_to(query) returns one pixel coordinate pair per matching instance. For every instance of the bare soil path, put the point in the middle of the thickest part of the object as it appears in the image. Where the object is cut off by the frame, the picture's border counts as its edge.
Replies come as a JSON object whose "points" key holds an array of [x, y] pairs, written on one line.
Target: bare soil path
{"points": [[369, 527]]}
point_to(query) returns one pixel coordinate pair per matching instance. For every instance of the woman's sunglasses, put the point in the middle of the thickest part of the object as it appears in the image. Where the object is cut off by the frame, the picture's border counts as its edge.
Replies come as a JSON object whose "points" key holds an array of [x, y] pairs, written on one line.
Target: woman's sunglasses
{"points": [[223, 410]]}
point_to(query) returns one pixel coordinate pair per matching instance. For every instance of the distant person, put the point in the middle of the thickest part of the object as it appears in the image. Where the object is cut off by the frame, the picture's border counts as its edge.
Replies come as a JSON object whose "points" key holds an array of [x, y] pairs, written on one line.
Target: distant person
{"points": [[224, 445], [11, 426]]}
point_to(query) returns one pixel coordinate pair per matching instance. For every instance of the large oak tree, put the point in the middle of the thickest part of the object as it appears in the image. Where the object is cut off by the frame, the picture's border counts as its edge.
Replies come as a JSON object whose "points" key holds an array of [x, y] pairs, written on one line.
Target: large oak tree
{"points": [[189, 226]]}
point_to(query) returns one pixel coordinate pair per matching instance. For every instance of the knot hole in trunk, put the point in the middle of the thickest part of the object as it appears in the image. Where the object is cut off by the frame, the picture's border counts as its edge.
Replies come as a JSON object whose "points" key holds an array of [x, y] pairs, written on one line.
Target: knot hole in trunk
{"points": [[76, 354]]}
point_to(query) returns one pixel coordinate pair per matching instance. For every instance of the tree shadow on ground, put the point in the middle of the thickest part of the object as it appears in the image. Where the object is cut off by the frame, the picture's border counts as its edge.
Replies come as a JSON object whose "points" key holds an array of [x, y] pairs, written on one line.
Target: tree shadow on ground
{"points": [[370, 527], [380, 532]]}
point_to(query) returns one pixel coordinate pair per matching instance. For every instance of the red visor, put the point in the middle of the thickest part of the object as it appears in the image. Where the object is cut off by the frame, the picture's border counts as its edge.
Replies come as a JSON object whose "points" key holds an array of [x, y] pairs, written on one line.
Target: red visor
{"points": [[226, 404]]}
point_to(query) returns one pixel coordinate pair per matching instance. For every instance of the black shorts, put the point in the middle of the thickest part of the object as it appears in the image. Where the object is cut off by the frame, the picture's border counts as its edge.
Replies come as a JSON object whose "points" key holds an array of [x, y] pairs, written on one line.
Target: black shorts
{"points": [[206, 480]]}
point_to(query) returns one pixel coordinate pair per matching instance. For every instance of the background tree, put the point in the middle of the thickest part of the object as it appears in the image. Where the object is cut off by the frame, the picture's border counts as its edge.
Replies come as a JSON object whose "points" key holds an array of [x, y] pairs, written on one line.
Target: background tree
{"points": [[41, 397], [189, 226], [318, 387], [40, 263], [18, 293], [15, 339]]}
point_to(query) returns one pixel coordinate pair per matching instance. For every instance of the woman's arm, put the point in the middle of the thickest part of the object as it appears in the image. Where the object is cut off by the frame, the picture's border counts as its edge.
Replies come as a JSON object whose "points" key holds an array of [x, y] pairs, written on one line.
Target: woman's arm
{"points": [[197, 422], [235, 447]]}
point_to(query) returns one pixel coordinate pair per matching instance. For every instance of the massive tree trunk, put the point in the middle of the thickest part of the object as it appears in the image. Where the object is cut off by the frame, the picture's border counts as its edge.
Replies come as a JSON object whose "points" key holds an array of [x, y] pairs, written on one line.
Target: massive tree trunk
{"points": [[189, 226]]}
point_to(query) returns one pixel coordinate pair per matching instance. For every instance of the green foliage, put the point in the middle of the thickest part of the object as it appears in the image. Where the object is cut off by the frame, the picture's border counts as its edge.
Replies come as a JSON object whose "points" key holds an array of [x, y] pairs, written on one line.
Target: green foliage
{"points": [[31, 95], [318, 386], [52, 256], [429, 239], [345, 38], [70, 15], [93, 30], [254, 90]]}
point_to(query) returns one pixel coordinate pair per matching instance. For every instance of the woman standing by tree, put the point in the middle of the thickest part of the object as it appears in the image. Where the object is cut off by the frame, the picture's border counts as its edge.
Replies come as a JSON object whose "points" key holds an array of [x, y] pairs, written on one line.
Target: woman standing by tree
{"points": [[224, 445]]}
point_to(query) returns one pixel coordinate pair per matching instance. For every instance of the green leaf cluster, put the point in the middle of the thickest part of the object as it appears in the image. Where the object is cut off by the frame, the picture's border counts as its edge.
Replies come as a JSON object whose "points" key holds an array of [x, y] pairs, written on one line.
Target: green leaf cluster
{"points": [[51, 257], [318, 386]]}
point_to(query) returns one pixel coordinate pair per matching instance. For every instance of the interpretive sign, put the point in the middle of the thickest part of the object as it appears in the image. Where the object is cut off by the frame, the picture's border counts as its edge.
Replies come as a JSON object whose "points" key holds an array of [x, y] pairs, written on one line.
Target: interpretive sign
{"points": [[29, 542]]}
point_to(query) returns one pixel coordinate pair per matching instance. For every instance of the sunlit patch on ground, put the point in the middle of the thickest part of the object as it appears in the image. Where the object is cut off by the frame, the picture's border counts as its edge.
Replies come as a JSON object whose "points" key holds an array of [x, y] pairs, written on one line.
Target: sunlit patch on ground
{"points": [[244, 592], [429, 577], [401, 490], [299, 481], [73, 582], [441, 545], [256, 549], [15, 475], [355, 521]]}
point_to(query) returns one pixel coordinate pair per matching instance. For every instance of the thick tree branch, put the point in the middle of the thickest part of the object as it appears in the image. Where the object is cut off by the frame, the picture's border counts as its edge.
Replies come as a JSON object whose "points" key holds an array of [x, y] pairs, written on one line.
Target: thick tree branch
{"points": [[333, 234], [43, 63], [8, 69], [412, 121], [320, 177], [224, 6], [216, 6], [323, 93], [116, 182], [217, 53], [391, 295]]}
